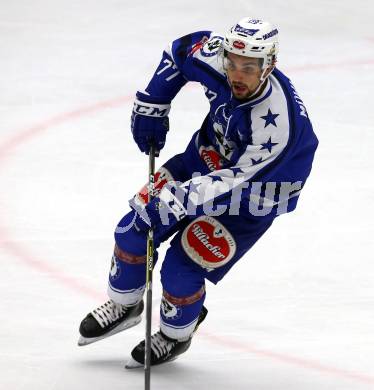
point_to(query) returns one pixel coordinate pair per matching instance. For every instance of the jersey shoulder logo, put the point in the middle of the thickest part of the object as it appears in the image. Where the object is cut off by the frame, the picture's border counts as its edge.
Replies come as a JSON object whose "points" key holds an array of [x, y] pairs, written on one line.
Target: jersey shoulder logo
{"points": [[211, 46]]}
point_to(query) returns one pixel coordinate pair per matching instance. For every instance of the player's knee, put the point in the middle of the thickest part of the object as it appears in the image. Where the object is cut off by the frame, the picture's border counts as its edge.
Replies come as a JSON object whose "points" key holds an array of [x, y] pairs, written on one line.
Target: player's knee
{"points": [[128, 238], [127, 257]]}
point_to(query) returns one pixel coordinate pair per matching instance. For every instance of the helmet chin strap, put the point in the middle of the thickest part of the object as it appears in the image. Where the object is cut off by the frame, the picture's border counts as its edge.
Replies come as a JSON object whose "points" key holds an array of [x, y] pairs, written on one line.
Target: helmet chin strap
{"points": [[262, 80]]}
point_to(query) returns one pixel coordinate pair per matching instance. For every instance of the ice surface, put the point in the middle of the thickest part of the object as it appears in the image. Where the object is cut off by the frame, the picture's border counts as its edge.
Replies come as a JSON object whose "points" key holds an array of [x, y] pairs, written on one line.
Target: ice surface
{"points": [[296, 313]]}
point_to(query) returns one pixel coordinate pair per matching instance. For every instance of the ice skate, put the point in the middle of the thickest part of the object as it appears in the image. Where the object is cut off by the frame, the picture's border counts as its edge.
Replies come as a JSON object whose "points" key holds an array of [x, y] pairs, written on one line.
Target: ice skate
{"points": [[107, 320], [163, 349]]}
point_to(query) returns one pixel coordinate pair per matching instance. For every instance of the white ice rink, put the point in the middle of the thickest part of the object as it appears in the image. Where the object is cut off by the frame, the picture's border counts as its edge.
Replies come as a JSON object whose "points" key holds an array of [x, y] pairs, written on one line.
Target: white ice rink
{"points": [[297, 313]]}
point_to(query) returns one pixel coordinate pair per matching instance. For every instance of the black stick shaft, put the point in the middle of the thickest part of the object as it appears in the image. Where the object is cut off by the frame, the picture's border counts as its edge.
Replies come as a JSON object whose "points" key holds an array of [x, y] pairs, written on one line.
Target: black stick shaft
{"points": [[149, 274]]}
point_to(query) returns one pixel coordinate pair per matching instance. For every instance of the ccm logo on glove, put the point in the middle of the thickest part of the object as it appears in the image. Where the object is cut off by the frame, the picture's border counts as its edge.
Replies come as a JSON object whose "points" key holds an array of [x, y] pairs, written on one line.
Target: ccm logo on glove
{"points": [[150, 109]]}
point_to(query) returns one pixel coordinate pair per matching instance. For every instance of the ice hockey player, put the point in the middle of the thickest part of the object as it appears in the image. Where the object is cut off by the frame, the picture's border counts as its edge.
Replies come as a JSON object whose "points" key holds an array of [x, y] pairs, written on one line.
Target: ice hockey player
{"points": [[245, 166]]}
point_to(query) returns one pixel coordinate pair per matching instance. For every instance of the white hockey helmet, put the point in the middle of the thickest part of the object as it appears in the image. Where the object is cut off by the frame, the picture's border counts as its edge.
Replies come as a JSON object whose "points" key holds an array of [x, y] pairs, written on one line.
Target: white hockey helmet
{"points": [[253, 38]]}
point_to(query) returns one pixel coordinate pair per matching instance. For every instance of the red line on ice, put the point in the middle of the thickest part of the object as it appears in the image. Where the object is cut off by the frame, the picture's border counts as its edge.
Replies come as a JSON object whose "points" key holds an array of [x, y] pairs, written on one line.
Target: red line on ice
{"points": [[20, 251], [287, 359]]}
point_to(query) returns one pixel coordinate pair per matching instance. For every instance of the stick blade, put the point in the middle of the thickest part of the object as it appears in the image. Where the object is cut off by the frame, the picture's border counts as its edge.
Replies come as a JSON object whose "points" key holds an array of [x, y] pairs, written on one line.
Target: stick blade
{"points": [[132, 363]]}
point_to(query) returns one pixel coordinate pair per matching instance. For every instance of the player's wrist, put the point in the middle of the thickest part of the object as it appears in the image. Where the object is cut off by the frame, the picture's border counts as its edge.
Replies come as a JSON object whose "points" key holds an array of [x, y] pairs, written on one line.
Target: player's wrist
{"points": [[152, 99]]}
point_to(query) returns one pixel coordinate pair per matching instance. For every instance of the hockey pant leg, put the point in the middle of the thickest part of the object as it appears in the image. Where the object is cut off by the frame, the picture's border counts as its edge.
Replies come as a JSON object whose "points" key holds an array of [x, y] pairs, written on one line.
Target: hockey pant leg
{"points": [[128, 266], [206, 248]]}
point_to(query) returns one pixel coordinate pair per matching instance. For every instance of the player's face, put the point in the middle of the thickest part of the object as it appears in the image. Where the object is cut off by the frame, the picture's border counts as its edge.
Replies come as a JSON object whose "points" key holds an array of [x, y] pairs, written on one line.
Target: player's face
{"points": [[243, 73]]}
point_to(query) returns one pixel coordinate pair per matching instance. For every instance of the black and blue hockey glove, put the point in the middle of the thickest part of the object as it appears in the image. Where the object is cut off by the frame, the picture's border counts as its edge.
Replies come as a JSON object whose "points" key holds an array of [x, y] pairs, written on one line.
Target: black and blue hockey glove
{"points": [[150, 122]]}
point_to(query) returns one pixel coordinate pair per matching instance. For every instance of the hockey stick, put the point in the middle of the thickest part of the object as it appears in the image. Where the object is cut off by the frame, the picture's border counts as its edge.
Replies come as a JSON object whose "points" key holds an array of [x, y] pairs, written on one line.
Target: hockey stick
{"points": [[149, 274]]}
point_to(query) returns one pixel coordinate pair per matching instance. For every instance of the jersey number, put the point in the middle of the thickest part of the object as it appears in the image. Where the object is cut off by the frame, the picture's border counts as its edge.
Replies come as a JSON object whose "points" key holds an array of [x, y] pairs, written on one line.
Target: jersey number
{"points": [[169, 64], [209, 94]]}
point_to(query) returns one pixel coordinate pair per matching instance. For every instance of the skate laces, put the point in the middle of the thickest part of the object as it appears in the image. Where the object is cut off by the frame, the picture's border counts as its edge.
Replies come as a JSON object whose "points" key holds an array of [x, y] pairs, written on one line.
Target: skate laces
{"points": [[160, 346], [109, 312]]}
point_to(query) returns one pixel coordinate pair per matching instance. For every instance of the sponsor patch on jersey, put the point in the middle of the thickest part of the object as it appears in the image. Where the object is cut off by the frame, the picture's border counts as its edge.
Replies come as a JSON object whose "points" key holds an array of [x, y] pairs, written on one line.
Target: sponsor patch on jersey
{"points": [[211, 157], [211, 47], [247, 31], [208, 243], [169, 310], [115, 269], [162, 176]]}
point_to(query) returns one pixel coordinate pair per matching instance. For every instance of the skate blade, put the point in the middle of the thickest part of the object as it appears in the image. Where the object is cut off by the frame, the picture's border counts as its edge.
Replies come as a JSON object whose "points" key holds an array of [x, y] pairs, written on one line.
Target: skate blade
{"points": [[82, 341], [132, 363]]}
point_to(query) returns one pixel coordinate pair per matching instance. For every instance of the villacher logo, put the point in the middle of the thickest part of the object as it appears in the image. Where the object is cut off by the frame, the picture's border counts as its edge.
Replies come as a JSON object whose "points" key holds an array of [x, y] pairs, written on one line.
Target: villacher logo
{"points": [[208, 243]]}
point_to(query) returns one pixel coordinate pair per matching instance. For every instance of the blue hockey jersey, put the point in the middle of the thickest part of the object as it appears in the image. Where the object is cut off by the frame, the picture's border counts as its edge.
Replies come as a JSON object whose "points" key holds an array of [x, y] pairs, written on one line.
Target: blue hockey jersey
{"points": [[259, 153]]}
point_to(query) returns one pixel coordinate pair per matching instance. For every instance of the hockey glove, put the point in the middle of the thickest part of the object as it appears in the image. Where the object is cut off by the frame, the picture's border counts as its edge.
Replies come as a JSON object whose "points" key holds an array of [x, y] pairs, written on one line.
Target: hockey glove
{"points": [[147, 217], [150, 122], [161, 214]]}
